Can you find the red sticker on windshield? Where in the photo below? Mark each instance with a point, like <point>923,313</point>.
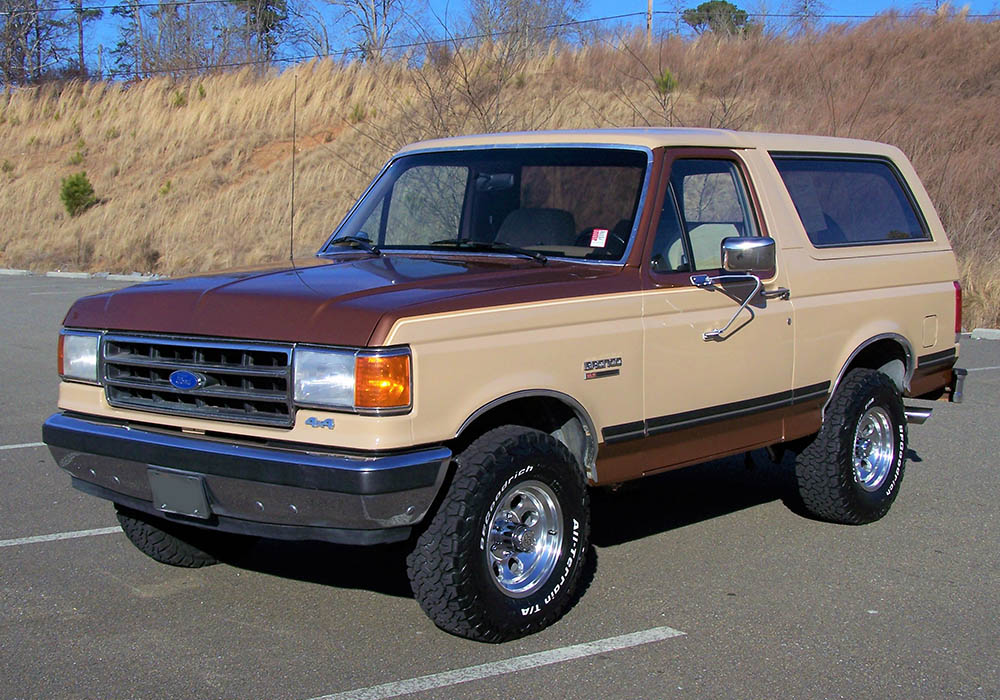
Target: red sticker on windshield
<point>599,238</point>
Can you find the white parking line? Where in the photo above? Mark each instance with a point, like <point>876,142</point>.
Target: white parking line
<point>498,668</point>
<point>52,294</point>
<point>22,445</point>
<point>59,536</point>
<point>982,369</point>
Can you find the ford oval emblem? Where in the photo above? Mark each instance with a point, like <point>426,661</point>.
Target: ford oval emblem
<point>185,381</point>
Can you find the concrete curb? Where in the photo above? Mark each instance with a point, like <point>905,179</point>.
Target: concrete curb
<point>986,334</point>
<point>69,275</point>
<point>114,277</point>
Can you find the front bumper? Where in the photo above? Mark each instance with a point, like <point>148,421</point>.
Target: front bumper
<point>284,492</point>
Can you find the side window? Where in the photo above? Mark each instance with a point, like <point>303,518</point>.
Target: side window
<point>425,205</point>
<point>670,253</point>
<point>845,201</point>
<point>706,202</point>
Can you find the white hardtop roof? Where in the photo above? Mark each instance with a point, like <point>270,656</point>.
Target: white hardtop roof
<point>657,138</point>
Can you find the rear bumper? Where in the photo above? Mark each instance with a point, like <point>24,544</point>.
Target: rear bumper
<point>281,492</point>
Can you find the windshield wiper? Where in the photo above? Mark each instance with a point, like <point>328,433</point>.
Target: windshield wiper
<point>358,242</point>
<point>493,245</point>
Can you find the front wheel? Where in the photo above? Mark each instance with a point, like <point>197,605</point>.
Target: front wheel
<point>165,541</point>
<point>852,470</point>
<point>503,553</point>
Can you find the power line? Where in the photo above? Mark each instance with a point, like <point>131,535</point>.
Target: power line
<point>181,3</point>
<point>343,53</point>
<point>393,47</point>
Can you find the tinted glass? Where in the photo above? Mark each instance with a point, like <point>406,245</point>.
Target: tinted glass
<point>569,202</point>
<point>426,205</point>
<point>712,203</point>
<point>844,201</point>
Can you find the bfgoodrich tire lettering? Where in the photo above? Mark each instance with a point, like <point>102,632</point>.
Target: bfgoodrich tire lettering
<point>851,472</point>
<point>502,555</point>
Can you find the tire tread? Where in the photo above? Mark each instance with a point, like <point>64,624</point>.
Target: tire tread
<point>824,482</point>
<point>447,594</point>
<point>159,543</point>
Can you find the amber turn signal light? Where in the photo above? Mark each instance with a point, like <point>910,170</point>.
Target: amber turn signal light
<point>60,357</point>
<point>382,381</point>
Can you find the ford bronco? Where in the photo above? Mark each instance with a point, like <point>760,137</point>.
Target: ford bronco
<point>504,321</point>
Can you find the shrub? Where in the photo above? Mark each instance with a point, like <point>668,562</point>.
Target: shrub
<point>77,194</point>
<point>666,83</point>
<point>358,113</point>
<point>7,166</point>
<point>179,99</point>
<point>81,153</point>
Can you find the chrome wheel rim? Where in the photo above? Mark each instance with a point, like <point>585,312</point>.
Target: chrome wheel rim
<point>525,538</point>
<point>874,453</point>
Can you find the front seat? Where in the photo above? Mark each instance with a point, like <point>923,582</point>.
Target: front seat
<point>538,226</point>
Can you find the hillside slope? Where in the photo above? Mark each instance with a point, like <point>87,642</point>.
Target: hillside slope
<point>196,175</point>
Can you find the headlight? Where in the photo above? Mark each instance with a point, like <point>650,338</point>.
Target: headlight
<point>359,380</point>
<point>78,355</point>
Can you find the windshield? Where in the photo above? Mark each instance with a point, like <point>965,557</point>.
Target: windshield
<point>562,202</point>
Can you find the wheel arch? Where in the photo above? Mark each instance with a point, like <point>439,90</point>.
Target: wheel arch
<point>889,353</point>
<point>547,410</point>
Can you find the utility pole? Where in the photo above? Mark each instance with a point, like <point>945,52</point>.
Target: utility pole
<point>649,22</point>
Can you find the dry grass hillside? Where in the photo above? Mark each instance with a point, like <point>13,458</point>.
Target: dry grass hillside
<point>193,176</point>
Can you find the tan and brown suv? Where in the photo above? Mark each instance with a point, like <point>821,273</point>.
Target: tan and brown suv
<point>502,321</point>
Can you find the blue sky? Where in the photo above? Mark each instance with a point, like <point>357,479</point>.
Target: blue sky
<point>105,31</point>
<point>600,8</point>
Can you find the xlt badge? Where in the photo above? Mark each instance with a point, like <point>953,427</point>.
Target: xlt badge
<point>595,369</point>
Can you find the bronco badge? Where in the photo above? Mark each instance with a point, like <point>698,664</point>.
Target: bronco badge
<point>595,369</point>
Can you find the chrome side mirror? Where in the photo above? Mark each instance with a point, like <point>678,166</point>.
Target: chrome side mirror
<point>746,254</point>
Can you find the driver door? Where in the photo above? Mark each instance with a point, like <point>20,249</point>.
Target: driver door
<point>708,396</point>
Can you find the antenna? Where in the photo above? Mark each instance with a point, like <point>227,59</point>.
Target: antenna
<point>291,218</point>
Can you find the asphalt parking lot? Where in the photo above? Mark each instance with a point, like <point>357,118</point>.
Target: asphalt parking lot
<point>704,582</point>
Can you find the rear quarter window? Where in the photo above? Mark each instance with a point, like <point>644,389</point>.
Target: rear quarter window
<point>844,201</point>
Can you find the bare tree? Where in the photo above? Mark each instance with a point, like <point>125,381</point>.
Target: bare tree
<point>806,14</point>
<point>522,22</point>
<point>371,24</point>
<point>308,30</point>
<point>32,41</point>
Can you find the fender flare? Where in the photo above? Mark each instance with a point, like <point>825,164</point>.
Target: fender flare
<point>589,429</point>
<point>910,361</point>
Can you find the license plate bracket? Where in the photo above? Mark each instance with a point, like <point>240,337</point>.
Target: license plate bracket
<point>183,494</point>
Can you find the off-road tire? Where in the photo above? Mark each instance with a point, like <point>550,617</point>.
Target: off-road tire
<point>166,542</point>
<point>830,486</point>
<point>451,571</point>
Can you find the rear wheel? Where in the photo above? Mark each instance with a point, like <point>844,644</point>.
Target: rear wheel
<point>503,553</point>
<point>167,542</point>
<point>851,472</point>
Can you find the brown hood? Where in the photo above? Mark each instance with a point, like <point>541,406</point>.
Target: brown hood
<point>336,301</point>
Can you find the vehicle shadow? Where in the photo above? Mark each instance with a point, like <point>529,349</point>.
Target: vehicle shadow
<point>691,495</point>
<point>636,510</point>
<point>380,569</point>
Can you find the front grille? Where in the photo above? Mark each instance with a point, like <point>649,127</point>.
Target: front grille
<point>244,383</point>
